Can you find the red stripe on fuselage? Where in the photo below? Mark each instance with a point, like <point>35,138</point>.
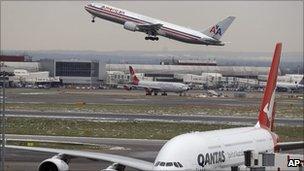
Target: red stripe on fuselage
<point>127,18</point>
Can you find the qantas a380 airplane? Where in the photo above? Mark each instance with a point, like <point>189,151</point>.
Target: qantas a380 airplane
<point>211,150</point>
<point>156,86</point>
<point>154,27</point>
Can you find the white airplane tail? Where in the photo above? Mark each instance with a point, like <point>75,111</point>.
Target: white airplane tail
<point>217,31</point>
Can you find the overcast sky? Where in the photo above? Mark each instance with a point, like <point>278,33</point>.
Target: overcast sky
<point>51,25</point>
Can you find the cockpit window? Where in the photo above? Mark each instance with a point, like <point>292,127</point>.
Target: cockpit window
<point>157,163</point>
<point>169,164</point>
<point>180,165</point>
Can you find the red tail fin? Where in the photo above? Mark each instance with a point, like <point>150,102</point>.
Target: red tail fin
<point>135,80</point>
<point>266,114</point>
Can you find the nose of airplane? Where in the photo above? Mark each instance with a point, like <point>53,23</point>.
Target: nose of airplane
<point>86,7</point>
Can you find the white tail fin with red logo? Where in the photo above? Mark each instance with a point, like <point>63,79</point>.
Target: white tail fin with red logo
<point>216,31</point>
<point>134,79</point>
<point>266,114</point>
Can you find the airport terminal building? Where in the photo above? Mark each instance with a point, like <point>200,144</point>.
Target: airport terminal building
<point>93,73</point>
<point>75,72</point>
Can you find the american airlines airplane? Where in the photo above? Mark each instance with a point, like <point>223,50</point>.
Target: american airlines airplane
<point>154,27</point>
<point>156,86</point>
<point>211,150</point>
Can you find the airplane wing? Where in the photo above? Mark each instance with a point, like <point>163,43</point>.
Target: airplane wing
<point>283,146</point>
<point>126,161</point>
<point>149,28</point>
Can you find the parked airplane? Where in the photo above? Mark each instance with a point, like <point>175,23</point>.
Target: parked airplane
<point>154,27</point>
<point>290,86</point>
<point>156,86</point>
<point>287,86</point>
<point>196,150</point>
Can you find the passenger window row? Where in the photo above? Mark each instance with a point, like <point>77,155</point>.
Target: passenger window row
<point>169,164</point>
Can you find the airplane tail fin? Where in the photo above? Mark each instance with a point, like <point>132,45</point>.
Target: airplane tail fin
<point>134,79</point>
<point>216,31</point>
<point>266,112</point>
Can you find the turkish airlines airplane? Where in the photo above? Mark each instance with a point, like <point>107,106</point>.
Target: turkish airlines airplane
<point>212,150</point>
<point>156,86</point>
<point>153,27</point>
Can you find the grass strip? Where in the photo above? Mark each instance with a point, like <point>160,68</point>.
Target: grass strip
<point>133,130</point>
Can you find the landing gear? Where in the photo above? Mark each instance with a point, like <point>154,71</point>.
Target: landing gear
<point>164,94</point>
<point>93,19</point>
<point>151,38</point>
<point>155,93</point>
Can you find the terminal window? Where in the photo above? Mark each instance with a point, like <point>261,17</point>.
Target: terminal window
<point>73,69</point>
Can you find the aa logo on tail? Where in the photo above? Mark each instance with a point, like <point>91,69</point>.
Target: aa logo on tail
<point>216,30</point>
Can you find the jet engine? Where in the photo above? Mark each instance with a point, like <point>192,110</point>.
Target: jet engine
<point>53,164</point>
<point>130,26</point>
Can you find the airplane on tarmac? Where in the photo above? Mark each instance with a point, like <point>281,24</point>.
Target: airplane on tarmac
<point>154,27</point>
<point>287,86</point>
<point>156,86</point>
<point>290,86</point>
<point>211,150</point>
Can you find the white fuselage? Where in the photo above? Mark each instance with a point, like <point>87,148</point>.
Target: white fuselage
<point>213,149</point>
<point>158,86</point>
<point>286,85</point>
<point>168,30</point>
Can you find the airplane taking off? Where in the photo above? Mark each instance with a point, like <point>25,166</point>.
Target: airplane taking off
<point>156,86</point>
<point>211,150</point>
<point>154,27</point>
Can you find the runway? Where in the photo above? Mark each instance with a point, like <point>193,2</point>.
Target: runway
<point>232,120</point>
<point>133,97</point>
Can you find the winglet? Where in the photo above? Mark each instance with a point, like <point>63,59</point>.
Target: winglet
<point>134,79</point>
<point>266,114</point>
<point>217,31</point>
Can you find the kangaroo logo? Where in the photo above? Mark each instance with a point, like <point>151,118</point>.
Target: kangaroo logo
<point>266,110</point>
<point>216,30</point>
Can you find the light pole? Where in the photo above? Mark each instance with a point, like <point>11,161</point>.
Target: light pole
<point>2,123</point>
<point>4,75</point>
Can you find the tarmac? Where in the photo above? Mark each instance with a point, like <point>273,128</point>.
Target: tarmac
<point>133,97</point>
<point>231,120</point>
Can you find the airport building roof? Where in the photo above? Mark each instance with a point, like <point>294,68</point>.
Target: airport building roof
<point>240,71</point>
<point>29,66</point>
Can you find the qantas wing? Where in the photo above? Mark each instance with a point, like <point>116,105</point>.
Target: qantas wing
<point>126,161</point>
<point>283,146</point>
